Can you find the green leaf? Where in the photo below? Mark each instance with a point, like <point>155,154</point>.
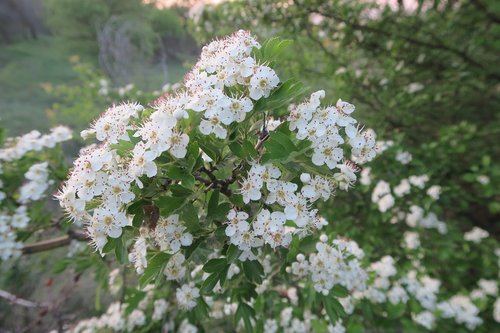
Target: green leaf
<point>180,191</point>
<point>232,253</point>
<point>253,271</point>
<point>209,283</point>
<point>169,205</point>
<point>244,150</point>
<point>339,291</point>
<point>278,101</point>
<point>121,251</point>
<point>215,265</point>
<point>330,311</point>
<point>284,140</point>
<point>293,249</point>
<point>237,149</point>
<point>274,47</point>
<point>133,297</point>
<point>110,245</point>
<point>213,203</point>
<point>245,312</point>
<point>333,308</point>
<point>123,148</point>
<point>208,148</point>
<point>221,211</point>
<point>190,249</point>
<point>192,155</point>
<point>177,173</point>
<point>61,265</point>
<point>156,266</point>
<point>202,309</point>
<point>190,218</point>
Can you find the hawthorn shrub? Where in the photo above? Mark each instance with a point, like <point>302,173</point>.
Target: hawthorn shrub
<point>211,204</point>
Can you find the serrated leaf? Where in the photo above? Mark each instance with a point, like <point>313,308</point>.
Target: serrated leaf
<point>168,205</point>
<point>330,311</point>
<point>190,218</point>
<point>215,265</point>
<point>156,264</point>
<point>121,251</point>
<point>177,173</point>
<point>221,211</point>
<point>253,271</point>
<point>232,253</point>
<point>209,283</point>
<point>245,312</point>
<point>213,203</point>
<point>339,291</point>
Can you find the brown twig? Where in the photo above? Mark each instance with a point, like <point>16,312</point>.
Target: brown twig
<point>13,299</point>
<point>54,243</point>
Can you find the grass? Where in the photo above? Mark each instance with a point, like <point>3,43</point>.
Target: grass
<point>26,66</point>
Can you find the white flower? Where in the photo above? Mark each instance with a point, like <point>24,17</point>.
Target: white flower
<point>403,188</point>
<point>175,269</point>
<point>496,310</point>
<point>186,296</point>
<point>490,287</point>
<point>138,255</point>
<point>347,175</point>
<point>142,163</point>
<point>483,179</point>
<point>214,122</point>
<point>135,318</point>
<point>434,192</point>
<point>419,181</point>
<point>239,107</point>
<point>327,153</point>
<point>236,222</point>
<point>109,221</point>
<point>250,188</point>
<point>345,107</point>
<point>425,319</point>
<point>403,157</point>
<point>262,82</point>
<point>365,178</point>
<point>411,240</point>
<point>476,235</point>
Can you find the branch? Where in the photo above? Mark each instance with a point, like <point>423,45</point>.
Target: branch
<point>438,46</point>
<point>55,242</point>
<point>13,299</point>
<point>482,7</point>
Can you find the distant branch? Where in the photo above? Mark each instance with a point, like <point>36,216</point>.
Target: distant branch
<point>13,299</point>
<point>482,7</point>
<point>423,43</point>
<point>55,242</point>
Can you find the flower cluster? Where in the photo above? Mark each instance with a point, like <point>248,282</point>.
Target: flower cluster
<point>146,157</point>
<point>186,296</point>
<point>476,235</point>
<point>101,174</point>
<point>333,264</point>
<point>9,224</point>
<point>227,63</point>
<point>268,227</point>
<point>16,148</point>
<point>15,203</point>
<point>38,182</point>
<point>118,319</point>
<point>322,125</point>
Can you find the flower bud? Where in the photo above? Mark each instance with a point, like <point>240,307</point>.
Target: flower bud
<point>305,178</point>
